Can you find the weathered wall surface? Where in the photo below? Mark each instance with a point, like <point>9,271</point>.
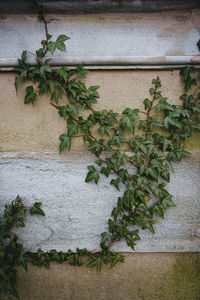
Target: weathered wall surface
<point>120,41</point>
<point>157,276</point>
<point>32,167</point>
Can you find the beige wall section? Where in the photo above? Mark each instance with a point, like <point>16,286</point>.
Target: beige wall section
<point>157,276</point>
<point>26,128</point>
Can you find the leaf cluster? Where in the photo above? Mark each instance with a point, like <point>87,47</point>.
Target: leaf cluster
<point>12,253</point>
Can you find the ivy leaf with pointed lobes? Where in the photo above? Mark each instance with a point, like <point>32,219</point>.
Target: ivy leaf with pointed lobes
<point>166,175</point>
<point>115,212</point>
<point>64,73</point>
<point>96,262</point>
<point>56,96</point>
<point>111,225</point>
<point>52,85</point>
<point>185,72</point>
<point>36,209</point>
<point>188,80</point>
<point>128,122</point>
<point>99,162</point>
<point>115,258</point>
<point>105,130</point>
<point>156,82</point>
<point>52,47</point>
<point>115,182</point>
<point>153,173</point>
<point>20,223</point>
<point>167,202</point>
<point>187,100</point>
<point>105,171</point>
<point>74,109</point>
<point>105,237</point>
<point>95,147</point>
<point>30,95</point>
<point>121,159</point>
<point>63,110</point>
<point>60,42</point>
<point>149,225</point>
<point>158,209</point>
<point>92,174</point>
<point>72,128</point>
<point>169,121</point>
<point>123,174</point>
<point>65,142</point>
<point>43,86</point>
<point>118,140</point>
<point>163,105</point>
<point>81,72</point>
<point>147,103</point>
<point>129,199</point>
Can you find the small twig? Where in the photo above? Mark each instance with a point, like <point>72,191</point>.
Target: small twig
<point>54,105</point>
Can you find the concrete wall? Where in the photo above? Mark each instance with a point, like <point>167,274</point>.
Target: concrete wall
<point>149,276</point>
<point>32,168</point>
<point>108,40</point>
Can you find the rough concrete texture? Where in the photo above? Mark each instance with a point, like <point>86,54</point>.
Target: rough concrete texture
<point>157,276</point>
<point>26,128</point>
<point>143,39</point>
<point>77,212</point>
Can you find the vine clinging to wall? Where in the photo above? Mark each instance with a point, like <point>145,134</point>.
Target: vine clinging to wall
<point>135,149</point>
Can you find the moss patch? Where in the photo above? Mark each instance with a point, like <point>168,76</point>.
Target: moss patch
<point>186,277</point>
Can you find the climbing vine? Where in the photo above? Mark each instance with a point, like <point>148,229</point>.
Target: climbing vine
<point>135,149</point>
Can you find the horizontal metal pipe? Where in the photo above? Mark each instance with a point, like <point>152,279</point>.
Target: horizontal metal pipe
<point>117,62</point>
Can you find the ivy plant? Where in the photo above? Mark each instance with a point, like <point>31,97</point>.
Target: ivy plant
<point>12,253</point>
<point>136,149</point>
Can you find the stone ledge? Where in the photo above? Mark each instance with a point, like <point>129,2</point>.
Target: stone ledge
<point>97,6</point>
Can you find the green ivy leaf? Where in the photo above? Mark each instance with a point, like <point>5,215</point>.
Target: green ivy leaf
<point>30,95</point>
<point>163,105</point>
<point>20,223</point>
<point>92,174</point>
<point>128,122</point>
<point>52,85</point>
<point>72,128</point>
<point>52,47</point>
<point>115,213</point>
<point>105,171</point>
<point>167,202</point>
<point>115,182</point>
<point>60,42</point>
<point>65,142</point>
<point>149,225</point>
<point>153,173</point>
<point>147,103</point>
<point>115,258</point>
<point>96,262</point>
<point>169,121</point>
<point>99,162</point>
<point>36,209</point>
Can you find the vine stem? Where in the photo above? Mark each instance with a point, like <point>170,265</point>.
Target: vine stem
<point>47,35</point>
